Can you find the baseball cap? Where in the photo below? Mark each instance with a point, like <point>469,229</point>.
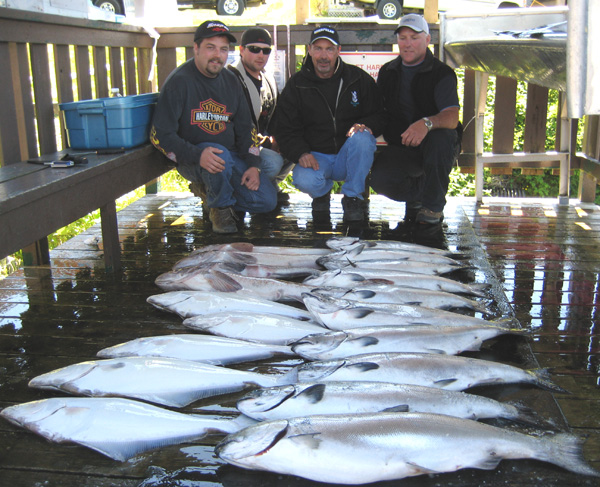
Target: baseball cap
<point>415,22</point>
<point>325,32</point>
<point>213,28</point>
<point>256,35</point>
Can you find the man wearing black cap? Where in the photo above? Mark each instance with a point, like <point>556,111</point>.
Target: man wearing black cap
<point>423,131</point>
<point>202,123</point>
<point>261,91</point>
<point>328,116</point>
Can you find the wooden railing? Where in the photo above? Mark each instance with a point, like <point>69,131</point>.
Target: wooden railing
<point>82,59</point>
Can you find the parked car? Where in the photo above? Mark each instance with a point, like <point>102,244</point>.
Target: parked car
<point>223,7</point>
<point>392,9</point>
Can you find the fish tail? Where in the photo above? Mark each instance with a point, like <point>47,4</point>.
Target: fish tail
<point>479,289</point>
<point>526,415</point>
<point>506,323</point>
<point>541,377</point>
<point>566,451</point>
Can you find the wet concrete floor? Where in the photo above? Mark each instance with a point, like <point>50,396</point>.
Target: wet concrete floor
<point>540,259</point>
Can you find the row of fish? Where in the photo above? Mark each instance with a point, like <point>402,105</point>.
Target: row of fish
<point>382,344</point>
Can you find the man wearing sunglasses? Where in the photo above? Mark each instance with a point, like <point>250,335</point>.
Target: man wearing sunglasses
<point>261,92</point>
<point>328,116</point>
<point>202,123</point>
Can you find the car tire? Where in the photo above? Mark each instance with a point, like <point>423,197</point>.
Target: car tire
<point>230,7</point>
<point>389,9</point>
<point>110,5</point>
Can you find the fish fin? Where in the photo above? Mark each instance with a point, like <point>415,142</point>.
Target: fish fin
<point>489,463</point>
<point>444,382</point>
<point>310,440</point>
<point>414,303</point>
<point>355,251</point>
<point>541,377</point>
<point>420,469</point>
<point>362,293</point>
<point>242,246</point>
<point>358,313</point>
<point>243,258</point>
<point>222,282</point>
<point>237,267</point>
<point>506,323</point>
<point>400,408</point>
<point>377,281</point>
<point>437,351</point>
<point>313,393</point>
<point>365,341</point>
<point>363,366</point>
<point>566,451</point>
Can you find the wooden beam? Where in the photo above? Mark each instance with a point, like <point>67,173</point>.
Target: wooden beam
<point>431,11</point>
<point>302,11</point>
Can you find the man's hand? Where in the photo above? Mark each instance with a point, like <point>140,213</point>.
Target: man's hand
<point>415,133</point>
<point>251,178</point>
<point>358,127</point>
<point>210,160</point>
<point>308,160</point>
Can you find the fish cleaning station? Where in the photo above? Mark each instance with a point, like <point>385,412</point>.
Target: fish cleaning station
<point>148,351</point>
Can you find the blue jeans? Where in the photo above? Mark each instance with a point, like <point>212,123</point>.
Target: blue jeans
<point>225,188</point>
<point>351,164</point>
<point>271,163</point>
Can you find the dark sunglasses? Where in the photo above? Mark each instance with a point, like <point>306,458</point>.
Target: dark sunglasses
<point>256,50</point>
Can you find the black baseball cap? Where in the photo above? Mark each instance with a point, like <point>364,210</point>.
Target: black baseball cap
<point>325,32</point>
<point>256,35</point>
<point>213,28</point>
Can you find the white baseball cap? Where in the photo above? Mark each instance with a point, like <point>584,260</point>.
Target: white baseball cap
<point>415,22</point>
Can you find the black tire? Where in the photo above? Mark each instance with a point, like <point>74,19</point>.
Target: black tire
<point>389,9</point>
<point>230,7</point>
<point>110,5</point>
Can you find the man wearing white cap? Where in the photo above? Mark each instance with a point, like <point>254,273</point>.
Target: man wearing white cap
<point>423,131</point>
<point>328,116</point>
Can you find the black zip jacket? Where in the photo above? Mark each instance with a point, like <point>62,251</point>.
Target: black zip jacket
<point>305,120</point>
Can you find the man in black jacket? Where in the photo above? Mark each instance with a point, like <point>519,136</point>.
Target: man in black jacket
<point>329,114</point>
<point>423,131</point>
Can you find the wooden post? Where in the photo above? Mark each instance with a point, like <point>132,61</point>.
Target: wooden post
<point>431,11</point>
<point>302,11</point>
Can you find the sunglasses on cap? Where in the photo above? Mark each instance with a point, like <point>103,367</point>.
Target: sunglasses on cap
<point>256,50</point>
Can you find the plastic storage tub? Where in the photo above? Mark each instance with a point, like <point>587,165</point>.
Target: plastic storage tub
<point>109,123</point>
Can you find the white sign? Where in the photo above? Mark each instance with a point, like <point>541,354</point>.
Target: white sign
<point>371,62</point>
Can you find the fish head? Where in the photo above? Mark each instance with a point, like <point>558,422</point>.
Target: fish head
<point>265,399</point>
<point>168,300</point>
<point>247,446</point>
<point>318,303</point>
<point>33,412</point>
<point>175,280</point>
<point>313,346</point>
<point>57,378</point>
<point>317,371</point>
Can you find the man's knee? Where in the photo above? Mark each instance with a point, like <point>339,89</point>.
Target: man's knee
<point>362,140</point>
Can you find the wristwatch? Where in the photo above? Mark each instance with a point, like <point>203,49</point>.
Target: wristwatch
<point>428,124</point>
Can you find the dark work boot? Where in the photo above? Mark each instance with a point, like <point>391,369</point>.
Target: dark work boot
<point>412,208</point>
<point>198,189</point>
<point>428,217</point>
<point>322,203</point>
<point>354,209</point>
<point>223,220</point>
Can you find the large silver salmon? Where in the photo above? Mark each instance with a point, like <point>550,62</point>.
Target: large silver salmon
<point>279,258</point>
<point>310,398</point>
<point>402,265</point>
<point>254,327</point>
<point>198,348</point>
<point>385,293</point>
<point>117,428</point>
<point>248,248</point>
<point>364,448</point>
<point>224,278</point>
<point>193,303</point>
<point>450,340</point>
<point>342,314</point>
<point>361,253</point>
<point>169,382</point>
<point>450,372</point>
<point>350,278</point>
<point>348,243</point>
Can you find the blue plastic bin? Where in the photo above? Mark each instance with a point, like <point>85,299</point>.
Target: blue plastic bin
<point>109,123</point>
